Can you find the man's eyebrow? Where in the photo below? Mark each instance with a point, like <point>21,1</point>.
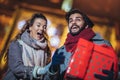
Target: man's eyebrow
<point>79,17</point>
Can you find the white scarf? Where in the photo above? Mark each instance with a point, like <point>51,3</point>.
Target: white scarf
<point>33,53</point>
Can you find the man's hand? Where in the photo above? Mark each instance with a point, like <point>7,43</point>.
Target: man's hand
<point>58,59</point>
<point>109,75</point>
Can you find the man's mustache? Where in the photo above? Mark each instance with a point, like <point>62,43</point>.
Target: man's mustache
<point>74,25</point>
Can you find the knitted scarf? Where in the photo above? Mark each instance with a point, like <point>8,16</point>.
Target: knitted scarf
<point>41,44</point>
<point>34,52</point>
<point>71,41</point>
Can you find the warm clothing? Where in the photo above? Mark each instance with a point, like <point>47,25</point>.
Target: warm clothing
<point>68,49</point>
<point>34,53</point>
<point>72,40</point>
<point>18,70</point>
<point>24,55</point>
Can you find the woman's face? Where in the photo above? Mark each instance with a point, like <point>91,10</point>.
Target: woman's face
<point>38,28</point>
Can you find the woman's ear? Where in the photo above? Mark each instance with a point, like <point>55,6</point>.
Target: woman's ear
<point>29,29</point>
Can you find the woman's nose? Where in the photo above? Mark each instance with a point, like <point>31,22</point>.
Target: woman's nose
<point>41,28</point>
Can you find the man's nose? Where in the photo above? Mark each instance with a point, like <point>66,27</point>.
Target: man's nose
<point>74,21</point>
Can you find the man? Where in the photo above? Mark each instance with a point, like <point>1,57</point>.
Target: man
<point>80,26</point>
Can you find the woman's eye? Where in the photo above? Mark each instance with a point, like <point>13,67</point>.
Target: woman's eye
<point>38,25</point>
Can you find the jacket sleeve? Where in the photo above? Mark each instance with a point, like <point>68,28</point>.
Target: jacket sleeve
<point>51,75</point>
<point>15,61</point>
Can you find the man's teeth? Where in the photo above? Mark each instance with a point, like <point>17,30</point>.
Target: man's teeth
<point>74,27</point>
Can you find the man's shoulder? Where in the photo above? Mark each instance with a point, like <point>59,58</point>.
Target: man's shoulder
<point>63,49</point>
<point>97,39</point>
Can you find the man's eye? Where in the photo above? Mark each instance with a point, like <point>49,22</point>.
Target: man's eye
<point>78,19</point>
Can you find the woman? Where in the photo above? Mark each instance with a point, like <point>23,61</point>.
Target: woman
<point>29,54</point>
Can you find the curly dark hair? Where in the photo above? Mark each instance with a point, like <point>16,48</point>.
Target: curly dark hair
<point>85,17</point>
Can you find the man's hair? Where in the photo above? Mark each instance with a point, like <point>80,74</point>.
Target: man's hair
<point>85,17</point>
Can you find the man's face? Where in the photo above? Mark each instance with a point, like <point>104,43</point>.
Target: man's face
<point>37,29</point>
<point>76,23</point>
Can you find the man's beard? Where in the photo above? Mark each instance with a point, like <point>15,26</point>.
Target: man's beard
<point>76,33</point>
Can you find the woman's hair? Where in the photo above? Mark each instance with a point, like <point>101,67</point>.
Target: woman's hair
<point>85,17</point>
<point>36,15</point>
<point>29,23</point>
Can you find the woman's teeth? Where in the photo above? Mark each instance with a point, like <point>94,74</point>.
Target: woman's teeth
<point>38,33</point>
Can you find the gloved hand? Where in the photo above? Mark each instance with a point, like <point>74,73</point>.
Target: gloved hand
<point>109,75</point>
<point>37,71</point>
<point>57,59</point>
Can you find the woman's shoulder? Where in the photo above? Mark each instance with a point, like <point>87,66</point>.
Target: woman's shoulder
<point>15,47</point>
<point>15,43</point>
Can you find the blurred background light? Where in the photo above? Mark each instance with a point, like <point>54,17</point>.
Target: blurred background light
<point>21,24</point>
<point>51,31</point>
<point>54,41</point>
<point>67,5</point>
